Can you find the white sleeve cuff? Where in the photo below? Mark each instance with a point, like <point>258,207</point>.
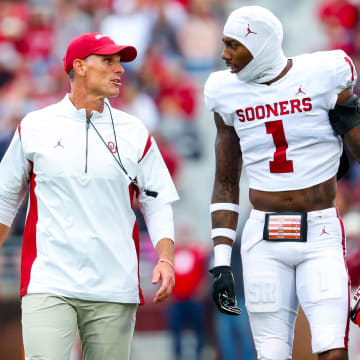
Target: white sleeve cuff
<point>8,210</point>
<point>160,224</point>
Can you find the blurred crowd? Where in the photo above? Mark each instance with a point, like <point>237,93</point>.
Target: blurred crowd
<point>179,44</point>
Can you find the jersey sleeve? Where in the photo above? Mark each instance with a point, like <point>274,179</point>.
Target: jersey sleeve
<point>211,96</point>
<point>15,172</point>
<point>345,72</point>
<point>153,175</point>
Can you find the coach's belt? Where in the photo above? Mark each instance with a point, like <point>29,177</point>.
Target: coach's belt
<point>285,226</point>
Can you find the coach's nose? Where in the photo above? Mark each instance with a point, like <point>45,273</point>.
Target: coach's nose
<point>119,69</point>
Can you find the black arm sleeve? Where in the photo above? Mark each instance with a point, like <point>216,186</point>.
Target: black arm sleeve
<point>345,116</point>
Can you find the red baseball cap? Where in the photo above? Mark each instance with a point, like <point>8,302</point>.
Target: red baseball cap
<point>95,43</point>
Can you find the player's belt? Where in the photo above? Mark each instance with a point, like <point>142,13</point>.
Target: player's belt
<point>285,226</point>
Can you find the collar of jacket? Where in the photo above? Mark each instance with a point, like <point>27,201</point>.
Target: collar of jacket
<point>80,114</point>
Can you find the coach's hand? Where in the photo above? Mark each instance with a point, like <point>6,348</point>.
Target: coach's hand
<point>223,290</point>
<point>163,273</point>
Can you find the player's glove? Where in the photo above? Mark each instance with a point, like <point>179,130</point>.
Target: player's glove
<point>355,307</point>
<point>223,290</point>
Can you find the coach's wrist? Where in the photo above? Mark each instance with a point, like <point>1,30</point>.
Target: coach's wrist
<point>171,263</point>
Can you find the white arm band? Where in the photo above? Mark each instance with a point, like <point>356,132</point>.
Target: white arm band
<point>222,255</point>
<point>224,206</point>
<point>160,224</point>
<point>225,232</point>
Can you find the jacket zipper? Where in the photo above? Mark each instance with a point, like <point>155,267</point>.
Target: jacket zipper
<point>87,143</point>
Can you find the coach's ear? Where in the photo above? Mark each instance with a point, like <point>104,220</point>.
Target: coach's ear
<point>79,67</point>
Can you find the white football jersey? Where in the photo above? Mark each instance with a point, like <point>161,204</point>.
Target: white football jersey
<point>286,139</point>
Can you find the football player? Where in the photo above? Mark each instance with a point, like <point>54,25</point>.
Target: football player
<point>284,120</point>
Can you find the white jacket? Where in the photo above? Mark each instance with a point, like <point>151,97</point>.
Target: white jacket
<point>81,237</point>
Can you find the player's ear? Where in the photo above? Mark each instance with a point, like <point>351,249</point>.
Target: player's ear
<point>79,67</point>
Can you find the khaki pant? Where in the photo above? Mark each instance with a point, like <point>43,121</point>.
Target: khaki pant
<point>50,323</point>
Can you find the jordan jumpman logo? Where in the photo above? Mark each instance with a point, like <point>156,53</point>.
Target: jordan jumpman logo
<point>324,232</point>
<point>300,91</point>
<point>58,144</point>
<point>249,31</point>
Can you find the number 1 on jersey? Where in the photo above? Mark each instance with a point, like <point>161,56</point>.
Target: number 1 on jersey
<point>280,163</point>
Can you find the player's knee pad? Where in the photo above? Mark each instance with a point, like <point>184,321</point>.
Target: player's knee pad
<point>274,350</point>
